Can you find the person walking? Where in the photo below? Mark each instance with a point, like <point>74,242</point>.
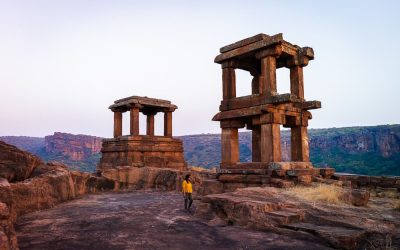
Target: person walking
<point>187,190</point>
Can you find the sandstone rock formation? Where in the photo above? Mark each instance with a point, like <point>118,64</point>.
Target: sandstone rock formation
<point>271,209</point>
<point>27,184</point>
<point>75,147</point>
<point>16,165</point>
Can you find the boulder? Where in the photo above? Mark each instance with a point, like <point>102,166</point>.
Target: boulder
<point>356,197</point>
<point>15,164</point>
<point>43,191</point>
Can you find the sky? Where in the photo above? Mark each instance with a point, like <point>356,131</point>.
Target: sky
<point>63,63</point>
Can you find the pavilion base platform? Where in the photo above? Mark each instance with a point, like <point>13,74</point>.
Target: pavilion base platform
<point>256,174</point>
<point>141,151</point>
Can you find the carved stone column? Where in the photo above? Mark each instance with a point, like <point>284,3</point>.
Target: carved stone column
<point>268,76</point>
<point>270,137</point>
<point>168,123</point>
<point>228,80</point>
<point>297,81</point>
<point>256,143</point>
<point>255,130</point>
<point>255,83</point>
<point>150,125</point>
<point>299,140</point>
<point>270,143</point>
<point>117,124</point>
<point>134,121</point>
<point>229,146</point>
<point>299,144</point>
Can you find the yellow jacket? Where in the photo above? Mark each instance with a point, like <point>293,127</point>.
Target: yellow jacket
<point>187,187</point>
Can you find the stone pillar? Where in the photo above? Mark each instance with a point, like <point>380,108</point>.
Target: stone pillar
<point>297,81</point>
<point>228,82</point>
<point>150,125</point>
<point>255,82</point>
<point>267,78</point>
<point>117,124</point>
<point>255,130</point>
<point>229,146</point>
<point>256,144</point>
<point>134,121</point>
<point>299,143</point>
<point>168,123</point>
<point>270,142</point>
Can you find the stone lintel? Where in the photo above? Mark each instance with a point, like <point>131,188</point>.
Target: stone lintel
<point>274,51</point>
<point>256,100</point>
<point>307,105</point>
<point>254,112</point>
<point>243,42</point>
<point>237,113</point>
<point>158,105</point>
<point>232,124</point>
<point>249,47</point>
<point>271,118</point>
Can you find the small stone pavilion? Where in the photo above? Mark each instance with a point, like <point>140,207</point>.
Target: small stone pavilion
<point>142,150</point>
<point>265,110</point>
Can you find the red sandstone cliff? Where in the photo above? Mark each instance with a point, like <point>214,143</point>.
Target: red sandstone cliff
<point>75,147</point>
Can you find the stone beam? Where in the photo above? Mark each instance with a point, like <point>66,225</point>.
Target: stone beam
<point>243,42</point>
<point>278,38</point>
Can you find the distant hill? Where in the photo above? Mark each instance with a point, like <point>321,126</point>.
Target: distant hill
<point>371,150</point>
<point>80,152</point>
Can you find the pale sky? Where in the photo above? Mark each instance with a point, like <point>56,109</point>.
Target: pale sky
<point>62,63</point>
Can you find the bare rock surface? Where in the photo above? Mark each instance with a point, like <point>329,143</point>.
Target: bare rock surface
<point>275,210</point>
<point>139,220</point>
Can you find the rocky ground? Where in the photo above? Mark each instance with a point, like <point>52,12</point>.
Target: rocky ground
<point>342,226</point>
<point>139,220</point>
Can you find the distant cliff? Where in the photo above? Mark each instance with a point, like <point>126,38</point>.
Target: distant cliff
<point>81,152</point>
<point>364,150</point>
<point>74,147</point>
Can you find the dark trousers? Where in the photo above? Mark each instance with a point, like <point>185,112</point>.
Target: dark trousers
<point>188,197</point>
